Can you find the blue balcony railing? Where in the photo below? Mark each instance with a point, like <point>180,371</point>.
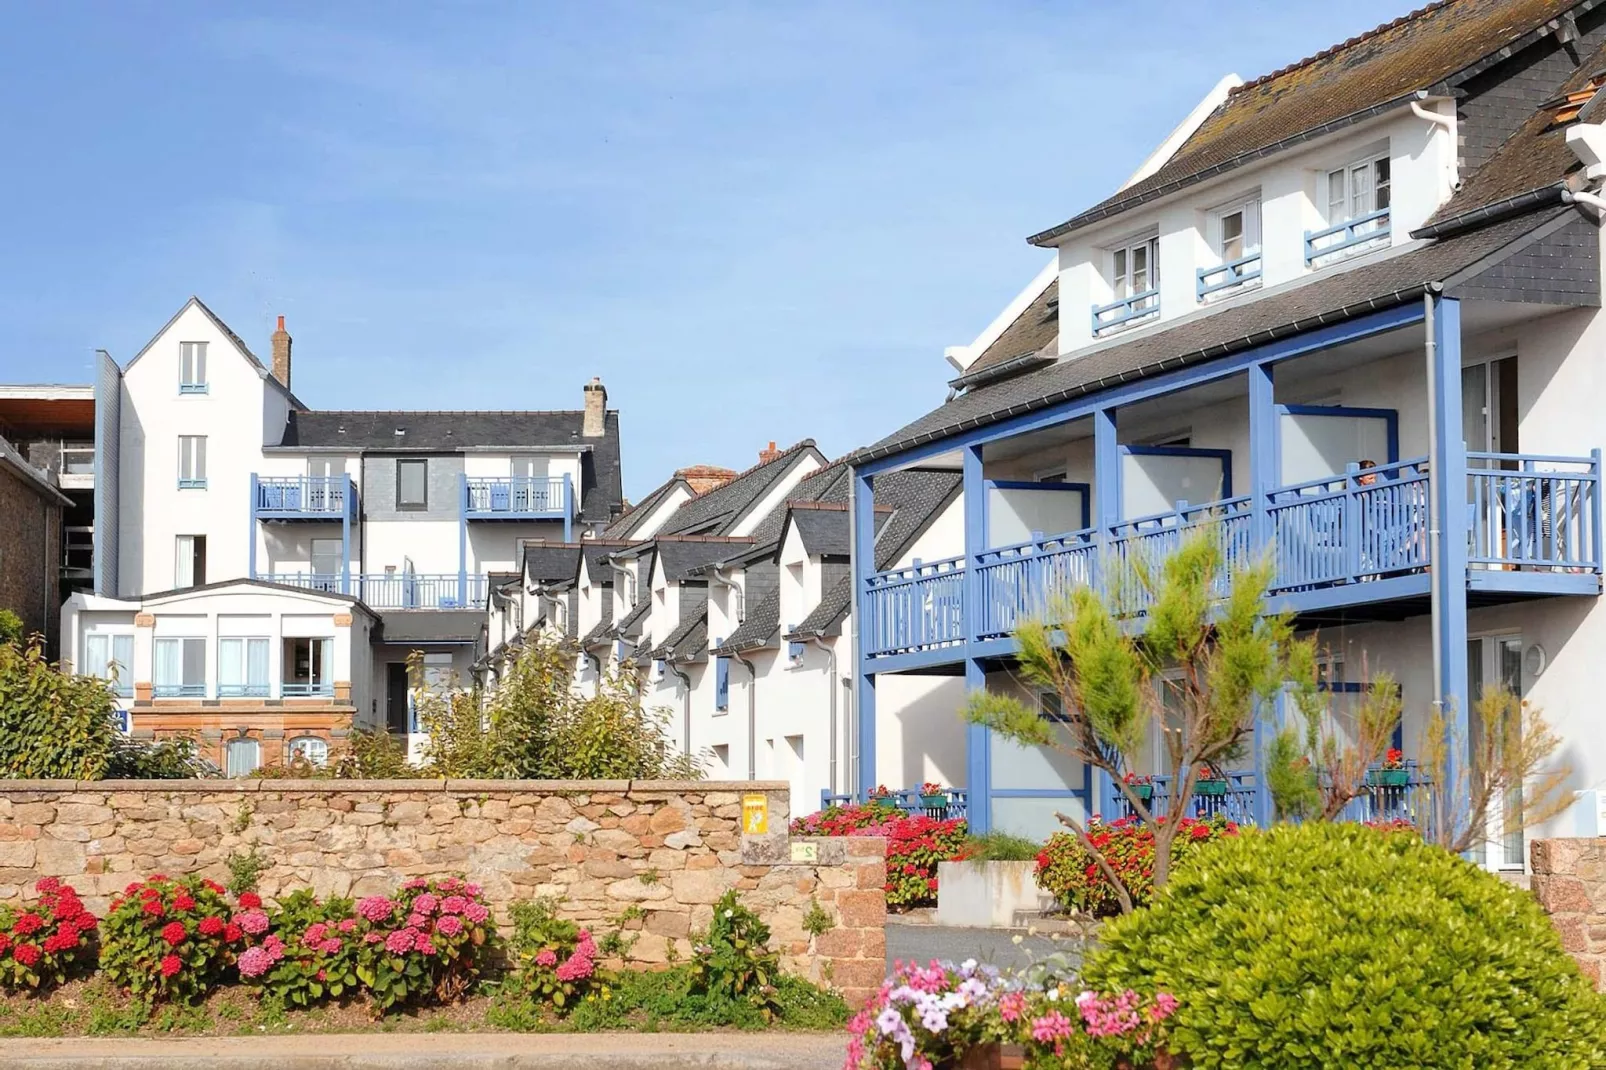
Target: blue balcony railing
<point>393,590</point>
<point>518,497</point>
<point>1535,512</point>
<point>915,608</point>
<point>1228,275</point>
<point>1362,230</point>
<point>1379,801</point>
<point>1524,514</point>
<point>1127,311</point>
<point>302,497</point>
<point>243,691</point>
<point>1237,803</point>
<point>179,690</point>
<point>910,801</point>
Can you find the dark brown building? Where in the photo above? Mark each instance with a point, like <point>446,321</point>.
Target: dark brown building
<point>31,510</point>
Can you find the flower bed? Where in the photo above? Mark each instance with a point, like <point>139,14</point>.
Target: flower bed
<point>936,1015</point>
<point>39,946</point>
<point>915,844</point>
<point>1067,870</point>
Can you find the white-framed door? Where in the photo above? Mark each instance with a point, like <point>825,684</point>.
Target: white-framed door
<point>1496,660</point>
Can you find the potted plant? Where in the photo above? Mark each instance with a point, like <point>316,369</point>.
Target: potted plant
<point>880,795</point>
<point>1142,786</point>
<point>933,796</point>
<point>1392,773</point>
<point>1212,781</point>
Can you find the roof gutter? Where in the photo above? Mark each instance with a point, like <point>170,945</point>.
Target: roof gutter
<point>1555,193</point>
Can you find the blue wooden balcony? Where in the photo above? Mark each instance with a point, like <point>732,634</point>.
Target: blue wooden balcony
<point>1350,234</point>
<point>518,498</point>
<point>1127,312</point>
<point>1228,276</point>
<point>1533,525</point>
<point>910,801</point>
<point>1411,801</point>
<point>328,498</point>
<point>393,590</point>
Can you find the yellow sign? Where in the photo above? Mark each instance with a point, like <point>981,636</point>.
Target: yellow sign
<point>755,815</point>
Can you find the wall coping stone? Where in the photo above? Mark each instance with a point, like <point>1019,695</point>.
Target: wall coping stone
<point>508,787</point>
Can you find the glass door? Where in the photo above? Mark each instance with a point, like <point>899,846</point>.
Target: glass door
<point>1496,661</point>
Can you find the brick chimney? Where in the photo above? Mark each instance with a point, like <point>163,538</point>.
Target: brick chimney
<point>765,456</point>
<point>596,419</point>
<point>703,478</point>
<point>281,355</point>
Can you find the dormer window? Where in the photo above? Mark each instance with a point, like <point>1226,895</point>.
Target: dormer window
<point>1233,231</point>
<point>1358,200</point>
<point>1135,285</point>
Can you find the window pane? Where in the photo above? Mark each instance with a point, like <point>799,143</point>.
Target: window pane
<point>184,562</point>
<point>200,457</point>
<point>123,659</point>
<point>1380,173</point>
<point>1154,262</point>
<point>256,664</point>
<point>1360,185</point>
<point>95,655</point>
<point>410,481</point>
<point>1337,197</point>
<point>310,748</point>
<point>167,663</point>
<point>1232,236</point>
<point>194,661</point>
<point>326,556</point>
<point>1140,269</point>
<point>243,757</point>
<point>230,662</point>
<point>1121,290</point>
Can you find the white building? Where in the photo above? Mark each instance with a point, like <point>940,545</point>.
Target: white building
<point>1384,257</point>
<point>212,471</point>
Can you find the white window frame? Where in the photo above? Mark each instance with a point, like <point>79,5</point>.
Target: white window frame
<point>245,687</point>
<point>1249,236</point>
<point>315,749</point>
<point>184,561</point>
<point>422,505</point>
<point>105,662</point>
<point>1123,274</point>
<point>1348,206</point>
<point>192,368</point>
<point>244,744</point>
<point>192,462</point>
<point>182,687</point>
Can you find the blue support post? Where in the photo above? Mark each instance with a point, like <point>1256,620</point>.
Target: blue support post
<point>462,540</point>
<point>568,508</point>
<point>1263,477</point>
<point>251,542</point>
<point>864,679</point>
<point>1449,484</point>
<point>978,758</point>
<point>978,738</point>
<point>346,507</point>
<point>1106,476</point>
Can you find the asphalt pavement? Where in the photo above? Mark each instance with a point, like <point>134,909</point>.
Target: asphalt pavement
<point>922,943</point>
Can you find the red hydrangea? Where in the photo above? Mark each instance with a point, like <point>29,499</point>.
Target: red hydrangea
<point>174,933</point>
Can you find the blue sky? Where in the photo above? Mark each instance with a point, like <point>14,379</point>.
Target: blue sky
<point>753,221</point>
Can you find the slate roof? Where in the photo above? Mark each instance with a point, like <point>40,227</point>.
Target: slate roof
<point>552,563</point>
<point>1530,168</point>
<point>633,619</point>
<point>681,556</point>
<point>825,618</point>
<point>595,554</point>
<point>1034,330</point>
<point>1384,280</point>
<point>601,485</point>
<point>825,532</point>
<point>689,639</point>
<point>631,518</point>
<point>717,511</point>
<point>759,627</point>
<point>601,633</point>
<point>1433,49</point>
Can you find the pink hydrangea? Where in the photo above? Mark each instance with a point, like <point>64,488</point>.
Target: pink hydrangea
<point>577,967</point>
<point>347,924</point>
<point>425,904</point>
<point>449,925</point>
<point>450,884</point>
<point>424,946</point>
<point>376,908</point>
<point>331,946</point>
<point>274,947</point>
<point>471,890</point>
<point>476,912</point>
<point>547,958</point>
<point>254,922</point>
<point>401,941</point>
<point>417,921</point>
<point>415,884</point>
<point>371,938</point>
<point>453,904</point>
<point>254,962</point>
<point>315,933</point>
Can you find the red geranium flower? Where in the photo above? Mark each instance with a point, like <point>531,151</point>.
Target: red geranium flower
<point>174,933</point>
<point>171,965</point>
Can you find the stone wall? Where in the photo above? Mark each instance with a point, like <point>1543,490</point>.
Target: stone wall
<point>1569,878</point>
<point>656,853</point>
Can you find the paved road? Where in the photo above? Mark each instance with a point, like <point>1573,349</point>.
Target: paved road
<point>923,943</point>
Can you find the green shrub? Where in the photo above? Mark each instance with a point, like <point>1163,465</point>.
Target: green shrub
<point>53,725</point>
<point>554,960</point>
<point>10,627</point>
<point>735,962</point>
<point>310,954</point>
<point>1336,945</point>
<point>170,938</point>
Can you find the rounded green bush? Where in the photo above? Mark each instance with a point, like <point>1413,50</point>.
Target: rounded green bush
<point>1338,945</point>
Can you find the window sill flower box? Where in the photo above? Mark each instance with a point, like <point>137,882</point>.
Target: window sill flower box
<point>1144,792</point>
<point>933,796</point>
<point>1210,787</point>
<point>1388,778</point>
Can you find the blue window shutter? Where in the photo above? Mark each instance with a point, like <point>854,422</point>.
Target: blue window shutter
<point>794,649</point>
<point>722,680</point>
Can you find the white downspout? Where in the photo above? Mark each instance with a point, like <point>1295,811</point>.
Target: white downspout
<point>1439,119</point>
<point>831,685</point>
